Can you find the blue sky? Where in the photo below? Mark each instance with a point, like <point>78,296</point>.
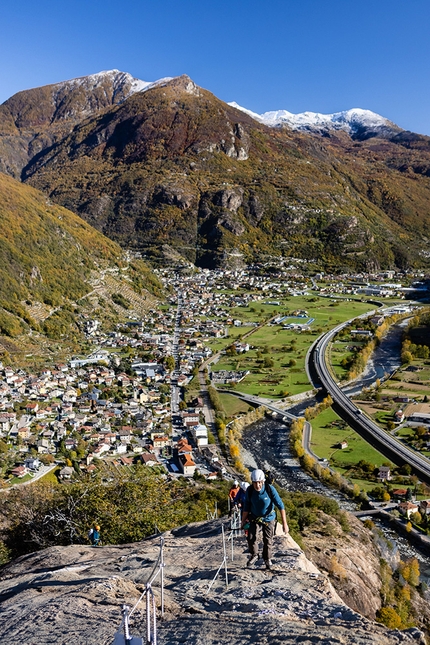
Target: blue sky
<point>317,55</point>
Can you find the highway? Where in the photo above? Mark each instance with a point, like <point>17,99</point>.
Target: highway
<point>378,438</point>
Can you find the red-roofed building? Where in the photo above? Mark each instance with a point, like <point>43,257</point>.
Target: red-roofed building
<point>187,465</point>
<point>184,447</point>
<point>161,441</point>
<point>19,471</point>
<point>408,508</point>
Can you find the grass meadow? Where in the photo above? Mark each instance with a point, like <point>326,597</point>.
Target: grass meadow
<point>328,430</point>
<point>233,405</point>
<point>276,360</point>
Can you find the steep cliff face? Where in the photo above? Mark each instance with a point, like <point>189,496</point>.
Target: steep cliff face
<point>75,595</point>
<point>351,560</point>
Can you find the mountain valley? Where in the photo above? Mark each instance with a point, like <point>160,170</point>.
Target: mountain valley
<point>169,165</point>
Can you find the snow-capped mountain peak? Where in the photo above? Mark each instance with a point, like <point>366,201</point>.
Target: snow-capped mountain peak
<point>84,95</point>
<point>356,122</point>
<point>123,83</point>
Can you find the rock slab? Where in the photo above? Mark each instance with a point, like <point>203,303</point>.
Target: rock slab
<point>74,595</point>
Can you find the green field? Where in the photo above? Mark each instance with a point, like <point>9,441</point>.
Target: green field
<point>285,347</point>
<point>233,405</point>
<point>327,434</point>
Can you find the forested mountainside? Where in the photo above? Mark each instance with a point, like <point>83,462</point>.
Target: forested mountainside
<point>50,259</point>
<point>173,165</point>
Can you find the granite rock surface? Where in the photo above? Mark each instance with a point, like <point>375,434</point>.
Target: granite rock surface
<point>74,595</point>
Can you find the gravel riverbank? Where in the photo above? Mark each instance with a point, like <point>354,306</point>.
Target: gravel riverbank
<point>265,445</point>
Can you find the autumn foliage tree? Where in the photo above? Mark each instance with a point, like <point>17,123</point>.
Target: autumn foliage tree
<point>129,507</point>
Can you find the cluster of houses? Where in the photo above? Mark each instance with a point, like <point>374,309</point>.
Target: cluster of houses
<point>90,410</point>
<point>405,506</point>
<point>96,434</point>
<point>89,405</point>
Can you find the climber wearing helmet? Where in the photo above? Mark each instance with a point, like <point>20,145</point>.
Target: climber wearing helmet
<point>259,510</point>
<point>240,495</point>
<point>232,494</point>
<point>94,535</point>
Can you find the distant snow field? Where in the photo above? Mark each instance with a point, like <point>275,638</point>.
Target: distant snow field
<point>349,120</point>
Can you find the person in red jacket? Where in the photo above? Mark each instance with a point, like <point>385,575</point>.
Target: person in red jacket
<point>232,494</point>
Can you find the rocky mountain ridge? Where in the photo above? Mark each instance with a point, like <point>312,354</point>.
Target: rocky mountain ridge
<point>37,118</point>
<point>75,595</point>
<point>173,165</point>
<point>72,100</point>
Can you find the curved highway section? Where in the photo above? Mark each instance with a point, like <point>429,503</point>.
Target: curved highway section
<point>345,408</point>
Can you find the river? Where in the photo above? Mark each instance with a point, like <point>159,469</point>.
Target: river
<point>384,360</point>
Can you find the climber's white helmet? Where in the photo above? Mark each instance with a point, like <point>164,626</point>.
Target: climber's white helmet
<point>257,475</point>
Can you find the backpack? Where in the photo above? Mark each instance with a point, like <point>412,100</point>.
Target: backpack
<point>270,479</point>
<point>90,533</point>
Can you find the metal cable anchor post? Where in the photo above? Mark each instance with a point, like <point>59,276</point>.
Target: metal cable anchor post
<point>125,610</point>
<point>151,639</point>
